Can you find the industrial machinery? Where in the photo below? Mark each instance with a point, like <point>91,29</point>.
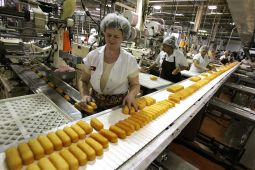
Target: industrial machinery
<point>35,58</point>
<point>35,54</point>
<point>142,146</point>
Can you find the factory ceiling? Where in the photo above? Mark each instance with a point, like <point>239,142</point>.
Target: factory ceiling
<point>183,13</point>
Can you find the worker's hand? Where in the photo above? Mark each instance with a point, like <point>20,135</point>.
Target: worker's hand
<point>214,69</point>
<point>206,69</point>
<point>211,65</point>
<point>144,70</point>
<point>86,99</point>
<point>129,100</point>
<point>176,71</point>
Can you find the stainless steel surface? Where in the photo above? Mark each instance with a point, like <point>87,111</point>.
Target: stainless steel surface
<point>244,78</point>
<point>249,154</point>
<point>170,161</point>
<point>242,88</point>
<point>71,58</point>
<point>29,77</point>
<point>240,75</point>
<point>38,85</point>
<point>27,56</point>
<point>69,90</point>
<point>232,109</point>
<point>5,84</point>
<point>60,102</point>
<point>15,35</point>
<point>243,14</point>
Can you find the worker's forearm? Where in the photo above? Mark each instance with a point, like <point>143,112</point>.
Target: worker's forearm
<point>200,67</point>
<point>152,66</point>
<point>134,89</point>
<point>83,88</point>
<point>182,68</point>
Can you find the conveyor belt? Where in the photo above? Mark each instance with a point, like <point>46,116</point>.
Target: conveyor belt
<point>146,155</point>
<point>38,85</point>
<point>137,150</point>
<point>69,90</point>
<point>233,109</point>
<point>163,130</point>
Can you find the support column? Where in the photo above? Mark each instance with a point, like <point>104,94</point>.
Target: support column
<point>141,11</point>
<point>214,32</point>
<point>198,17</point>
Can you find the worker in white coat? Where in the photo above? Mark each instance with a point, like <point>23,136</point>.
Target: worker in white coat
<point>93,36</point>
<point>111,71</point>
<point>200,61</point>
<point>171,60</point>
<point>226,58</point>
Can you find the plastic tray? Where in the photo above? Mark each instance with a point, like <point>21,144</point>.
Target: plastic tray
<point>27,116</point>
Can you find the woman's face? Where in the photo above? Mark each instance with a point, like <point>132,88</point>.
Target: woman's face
<point>168,49</point>
<point>113,37</point>
<point>203,53</point>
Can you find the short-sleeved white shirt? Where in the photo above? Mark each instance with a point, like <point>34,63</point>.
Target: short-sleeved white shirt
<point>224,57</point>
<point>180,60</point>
<point>118,79</point>
<point>202,61</point>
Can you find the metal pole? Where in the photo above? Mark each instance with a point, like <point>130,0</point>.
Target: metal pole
<point>230,37</point>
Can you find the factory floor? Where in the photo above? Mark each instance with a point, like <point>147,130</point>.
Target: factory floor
<point>194,158</point>
<point>211,126</point>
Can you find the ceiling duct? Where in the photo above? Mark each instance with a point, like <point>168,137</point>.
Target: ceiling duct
<point>243,14</point>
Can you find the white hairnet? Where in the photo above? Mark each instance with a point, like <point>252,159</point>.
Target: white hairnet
<point>93,30</point>
<point>203,48</point>
<point>113,20</point>
<point>171,41</point>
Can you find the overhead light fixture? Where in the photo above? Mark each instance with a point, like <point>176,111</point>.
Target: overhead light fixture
<point>178,14</point>
<point>202,31</point>
<point>212,7</point>
<point>177,22</point>
<point>191,22</point>
<point>157,7</point>
<point>98,9</point>
<point>214,13</point>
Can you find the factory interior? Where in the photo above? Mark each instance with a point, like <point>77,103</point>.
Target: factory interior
<point>175,89</point>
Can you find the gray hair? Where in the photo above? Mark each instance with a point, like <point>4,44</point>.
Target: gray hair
<point>113,20</point>
<point>203,48</point>
<point>171,41</point>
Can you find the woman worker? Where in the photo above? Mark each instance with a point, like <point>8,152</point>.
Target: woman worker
<point>171,61</point>
<point>200,61</point>
<point>111,71</point>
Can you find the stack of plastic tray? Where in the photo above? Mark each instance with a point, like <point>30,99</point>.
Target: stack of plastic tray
<point>27,116</point>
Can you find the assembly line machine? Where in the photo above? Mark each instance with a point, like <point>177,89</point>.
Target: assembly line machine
<point>47,100</point>
<point>136,151</point>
